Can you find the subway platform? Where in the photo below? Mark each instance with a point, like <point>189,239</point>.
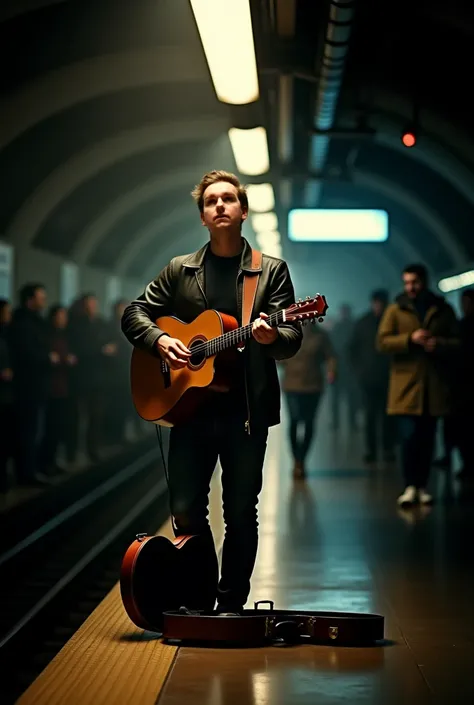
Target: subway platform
<point>336,541</point>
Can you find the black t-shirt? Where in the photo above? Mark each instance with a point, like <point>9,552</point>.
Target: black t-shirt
<point>220,285</point>
<point>220,277</point>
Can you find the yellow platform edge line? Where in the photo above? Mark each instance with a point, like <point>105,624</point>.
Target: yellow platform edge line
<point>97,666</point>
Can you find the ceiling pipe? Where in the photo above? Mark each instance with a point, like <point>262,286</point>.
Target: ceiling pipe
<point>336,43</point>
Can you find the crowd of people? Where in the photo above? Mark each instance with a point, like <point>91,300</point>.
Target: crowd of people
<point>64,386</point>
<point>408,365</point>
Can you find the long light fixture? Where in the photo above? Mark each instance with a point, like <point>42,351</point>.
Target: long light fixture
<point>250,149</point>
<point>261,198</point>
<point>264,221</point>
<point>458,281</point>
<point>338,225</point>
<point>225,28</point>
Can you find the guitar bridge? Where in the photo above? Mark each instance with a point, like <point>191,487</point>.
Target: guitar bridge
<point>166,374</point>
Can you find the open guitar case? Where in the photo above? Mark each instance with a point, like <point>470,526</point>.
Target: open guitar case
<point>169,587</point>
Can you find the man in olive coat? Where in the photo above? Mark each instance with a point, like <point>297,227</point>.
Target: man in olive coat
<point>420,332</point>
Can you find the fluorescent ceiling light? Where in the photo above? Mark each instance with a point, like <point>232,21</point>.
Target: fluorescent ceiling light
<point>261,197</point>
<point>225,28</point>
<point>268,238</point>
<point>458,281</point>
<point>250,150</point>
<point>338,225</point>
<point>264,221</point>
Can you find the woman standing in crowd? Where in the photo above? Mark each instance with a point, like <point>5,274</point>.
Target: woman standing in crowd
<point>59,419</point>
<point>7,445</point>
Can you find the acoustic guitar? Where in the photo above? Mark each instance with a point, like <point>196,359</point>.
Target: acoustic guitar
<point>168,397</point>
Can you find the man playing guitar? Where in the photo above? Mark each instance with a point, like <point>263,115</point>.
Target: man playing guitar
<point>233,425</point>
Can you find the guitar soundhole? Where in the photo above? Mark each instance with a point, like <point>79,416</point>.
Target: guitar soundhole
<point>198,357</point>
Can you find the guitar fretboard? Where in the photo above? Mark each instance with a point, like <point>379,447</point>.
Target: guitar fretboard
<point>234,337</point>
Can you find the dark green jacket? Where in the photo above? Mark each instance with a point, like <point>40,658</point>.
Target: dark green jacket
<point>179,291</point>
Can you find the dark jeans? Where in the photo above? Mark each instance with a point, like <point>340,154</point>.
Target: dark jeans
<point>8,443</point>
<point>92,404</point>
<point>450,434</point>
<point>376,418</point>
<point>302,409</point>
<point>29,422</point>
<point>417,435</point>
<point>193,452</point>
<point>344,388</point>
<point>59,428</point>
<point>466,441</point>
<point>118,410</point>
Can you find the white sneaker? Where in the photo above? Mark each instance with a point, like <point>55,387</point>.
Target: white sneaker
<point>424,497</point>
<point>408,496</point>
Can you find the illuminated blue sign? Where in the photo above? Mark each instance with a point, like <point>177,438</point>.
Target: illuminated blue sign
<point>338,225</point>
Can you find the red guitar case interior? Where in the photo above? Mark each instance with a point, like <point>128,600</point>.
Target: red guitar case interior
<point>170,587</point>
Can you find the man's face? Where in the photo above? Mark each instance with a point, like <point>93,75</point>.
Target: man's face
<point>412,285</point>
<point>6,314</point>
<point>91,306</point>
<point>61,318</point>
<point>377,307</point>
<point>221,208</point>
<point>38,300</point>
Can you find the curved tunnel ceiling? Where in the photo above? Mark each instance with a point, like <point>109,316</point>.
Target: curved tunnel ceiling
<point>99,133</point>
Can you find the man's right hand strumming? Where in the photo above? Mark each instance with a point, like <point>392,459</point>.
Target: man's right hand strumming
<point>173,352</point>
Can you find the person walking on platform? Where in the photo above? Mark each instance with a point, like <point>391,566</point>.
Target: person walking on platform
<point>234,424</point>
<point>420,332</point>
<point>303,384</point>
<point>372,371</point>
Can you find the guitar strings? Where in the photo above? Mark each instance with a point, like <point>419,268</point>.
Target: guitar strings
<point>210,347</point>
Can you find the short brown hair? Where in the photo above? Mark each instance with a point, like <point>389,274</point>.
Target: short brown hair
<point>213,177</point>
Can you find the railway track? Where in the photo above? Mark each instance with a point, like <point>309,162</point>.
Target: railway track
<point>54,578</point>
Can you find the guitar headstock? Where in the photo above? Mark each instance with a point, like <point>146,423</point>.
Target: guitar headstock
<point>308,309</point>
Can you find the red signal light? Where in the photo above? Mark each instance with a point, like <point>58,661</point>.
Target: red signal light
<point>409,139</point>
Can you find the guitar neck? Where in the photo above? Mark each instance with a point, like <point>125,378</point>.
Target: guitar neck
<point>239,335</point>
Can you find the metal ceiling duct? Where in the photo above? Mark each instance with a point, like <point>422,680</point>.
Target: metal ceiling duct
<point>336,43</point>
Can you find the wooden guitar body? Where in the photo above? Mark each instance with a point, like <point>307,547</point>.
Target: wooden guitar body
<point>158,574</point>
<point>169,397</point>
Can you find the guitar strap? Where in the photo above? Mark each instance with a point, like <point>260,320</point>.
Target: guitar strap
<point>250,287</point>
